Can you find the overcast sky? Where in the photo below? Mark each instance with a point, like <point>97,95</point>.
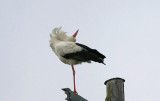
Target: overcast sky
<point>127,32</point>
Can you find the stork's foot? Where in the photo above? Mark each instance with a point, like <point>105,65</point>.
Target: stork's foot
<point>75,91</point>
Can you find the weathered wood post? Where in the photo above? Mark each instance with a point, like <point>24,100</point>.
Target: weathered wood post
<point>115,89</point>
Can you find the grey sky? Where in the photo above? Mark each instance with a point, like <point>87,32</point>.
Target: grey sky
<point>126,31</point>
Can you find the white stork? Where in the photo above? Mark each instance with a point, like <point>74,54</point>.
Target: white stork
<point>72,53</point>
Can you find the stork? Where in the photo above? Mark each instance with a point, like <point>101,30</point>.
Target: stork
<point>72,53</point>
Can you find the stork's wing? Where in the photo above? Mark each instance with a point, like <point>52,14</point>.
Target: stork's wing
<point>86,54</point>
<point>64,48</point>
<point>91,50</point>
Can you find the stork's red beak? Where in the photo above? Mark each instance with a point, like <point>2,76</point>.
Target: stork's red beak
<point>75,34</point>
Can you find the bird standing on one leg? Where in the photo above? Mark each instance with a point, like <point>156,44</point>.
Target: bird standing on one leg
<point>72,53</point>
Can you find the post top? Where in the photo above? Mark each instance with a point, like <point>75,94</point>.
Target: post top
<point>114,79</point>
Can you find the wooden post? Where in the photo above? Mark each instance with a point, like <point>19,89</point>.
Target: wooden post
<point>115,89</point>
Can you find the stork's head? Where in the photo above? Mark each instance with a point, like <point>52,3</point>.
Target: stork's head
<point>60,35</point>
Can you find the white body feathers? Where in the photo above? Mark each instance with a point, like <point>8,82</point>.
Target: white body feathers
<point>62,44</point>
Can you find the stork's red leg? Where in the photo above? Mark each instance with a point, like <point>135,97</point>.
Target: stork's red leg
<point>74,79</point>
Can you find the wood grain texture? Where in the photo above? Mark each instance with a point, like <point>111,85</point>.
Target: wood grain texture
<point>115,89</point>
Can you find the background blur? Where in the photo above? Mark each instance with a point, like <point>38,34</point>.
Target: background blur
<point>126,31</point>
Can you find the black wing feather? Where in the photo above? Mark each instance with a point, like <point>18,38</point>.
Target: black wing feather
<point>91,50</point>
<point>86,54</point>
